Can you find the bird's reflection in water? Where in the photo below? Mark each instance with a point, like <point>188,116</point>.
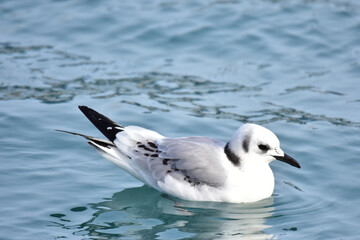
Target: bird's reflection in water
<point>144,213</point>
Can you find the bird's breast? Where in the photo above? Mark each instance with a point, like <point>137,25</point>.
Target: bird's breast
<point>252,184</point>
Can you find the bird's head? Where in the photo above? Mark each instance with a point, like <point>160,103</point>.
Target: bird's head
<point>252,142</point>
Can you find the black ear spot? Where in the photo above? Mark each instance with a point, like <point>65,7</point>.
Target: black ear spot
<point>263,147</point>
<point>246,143</point>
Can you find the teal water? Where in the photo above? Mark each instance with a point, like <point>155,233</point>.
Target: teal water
<point>180,68</point>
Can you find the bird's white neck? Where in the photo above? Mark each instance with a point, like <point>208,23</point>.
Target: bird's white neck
<point>251,181</point>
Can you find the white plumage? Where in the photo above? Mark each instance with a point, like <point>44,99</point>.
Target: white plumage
<point>193,168</point>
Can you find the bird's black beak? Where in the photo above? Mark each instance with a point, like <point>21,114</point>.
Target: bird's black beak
<point>289,160</point>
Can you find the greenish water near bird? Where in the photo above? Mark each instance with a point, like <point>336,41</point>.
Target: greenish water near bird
<point>180,68</point>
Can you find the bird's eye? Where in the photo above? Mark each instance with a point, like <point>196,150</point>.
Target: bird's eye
<point>263,147</point>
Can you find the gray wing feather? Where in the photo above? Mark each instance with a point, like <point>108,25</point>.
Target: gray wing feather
<point>194,159</point>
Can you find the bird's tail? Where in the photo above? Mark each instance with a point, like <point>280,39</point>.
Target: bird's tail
<point>107,150</point>
<point>92,140</point>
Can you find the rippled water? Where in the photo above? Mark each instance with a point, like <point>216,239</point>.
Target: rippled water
<point>179,68</point>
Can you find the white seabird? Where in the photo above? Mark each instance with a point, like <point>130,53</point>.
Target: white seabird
<point>193,168</point>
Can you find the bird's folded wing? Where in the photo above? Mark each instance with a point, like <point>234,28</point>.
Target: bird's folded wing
<point>196,160</point>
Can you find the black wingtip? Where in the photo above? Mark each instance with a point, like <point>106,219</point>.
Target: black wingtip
<point>106,126</point>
